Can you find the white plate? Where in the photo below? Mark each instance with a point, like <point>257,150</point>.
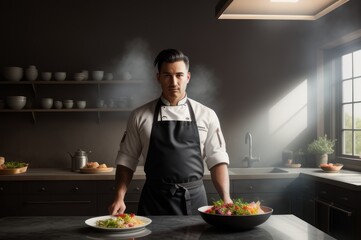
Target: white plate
<point>92,223</point>
<point>118,235</point>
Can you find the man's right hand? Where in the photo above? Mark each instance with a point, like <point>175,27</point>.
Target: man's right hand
<point>117,207</point>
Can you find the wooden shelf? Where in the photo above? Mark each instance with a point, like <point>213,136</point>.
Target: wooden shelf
<point>67,82</point>
<point>73,82</point>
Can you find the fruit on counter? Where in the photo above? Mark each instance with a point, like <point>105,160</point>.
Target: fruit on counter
<point>95,165</point>
<point>2,160</point>
<point>331,166</point>
<point>12,165</point>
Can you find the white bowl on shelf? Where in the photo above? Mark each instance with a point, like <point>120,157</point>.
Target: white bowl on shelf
<point>59,76</point>
<point>46,76</point>
<point>58,104</point>
<point>97,75</point>
<point>16,102</point>
<point>13,73</point>
<point>68,104</point>
<point>79,76</point>
<point>81,104</point>
<point>46,103</point>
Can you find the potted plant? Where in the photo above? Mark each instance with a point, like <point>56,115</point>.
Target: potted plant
<point>321,147</point>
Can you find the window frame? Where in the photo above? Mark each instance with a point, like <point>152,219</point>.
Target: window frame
<point>333,98</point>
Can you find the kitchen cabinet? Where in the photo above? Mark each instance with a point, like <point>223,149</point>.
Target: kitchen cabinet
<point>11,198</point>
<point>106,193</point>
<point>273,193</point>
<point>20,89</point>
<point>270,192</point>
<point>336,211</point>
<point>62,198</point>
<point>303,199</point>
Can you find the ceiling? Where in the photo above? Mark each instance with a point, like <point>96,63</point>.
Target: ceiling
<point>276,9</point>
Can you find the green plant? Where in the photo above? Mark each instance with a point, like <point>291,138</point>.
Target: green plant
<point>321,145</point>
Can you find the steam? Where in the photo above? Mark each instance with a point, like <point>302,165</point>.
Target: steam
<point>202,86</point>
<point>136,64</point>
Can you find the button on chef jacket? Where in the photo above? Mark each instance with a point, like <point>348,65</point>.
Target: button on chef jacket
<point>135,141</point>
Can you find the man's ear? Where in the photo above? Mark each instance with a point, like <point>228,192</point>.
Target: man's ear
<point>158,80</point>
<point>188,76</point>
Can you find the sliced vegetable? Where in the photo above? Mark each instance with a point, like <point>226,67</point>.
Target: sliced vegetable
<point>237,208</point>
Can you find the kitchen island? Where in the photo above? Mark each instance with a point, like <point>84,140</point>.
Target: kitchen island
<point>278,227</point>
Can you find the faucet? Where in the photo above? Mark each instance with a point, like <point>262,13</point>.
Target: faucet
<point>250,159</point>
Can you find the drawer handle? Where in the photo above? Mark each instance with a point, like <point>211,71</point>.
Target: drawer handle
<point>331,205</point>
<point>76,189</point>
<point>137,188</point>
<point>1,189</point>
<point>323,192</point>
<point>42,189</point>
<point>250,188</point>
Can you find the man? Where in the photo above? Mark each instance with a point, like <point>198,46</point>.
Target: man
<point>175,135</point>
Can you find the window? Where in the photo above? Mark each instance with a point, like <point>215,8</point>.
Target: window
<point>349,92</point>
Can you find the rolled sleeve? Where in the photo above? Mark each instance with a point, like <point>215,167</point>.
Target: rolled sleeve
<point>215,145</point>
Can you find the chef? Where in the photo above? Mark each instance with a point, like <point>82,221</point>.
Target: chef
<point>176,136</point>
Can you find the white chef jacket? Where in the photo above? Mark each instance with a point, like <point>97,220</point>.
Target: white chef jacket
<point>135,141</point>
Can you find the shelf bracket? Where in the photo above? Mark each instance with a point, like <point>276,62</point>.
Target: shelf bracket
<point>33,115</point>
<point>34,89</point>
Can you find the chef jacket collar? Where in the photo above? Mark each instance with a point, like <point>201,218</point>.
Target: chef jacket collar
<point>181,102</point>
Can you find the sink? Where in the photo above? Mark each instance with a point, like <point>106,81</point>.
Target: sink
<point>248,171</point>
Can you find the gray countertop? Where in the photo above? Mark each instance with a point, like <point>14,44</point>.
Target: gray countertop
<point>344,178</point>
<point>278,227</point>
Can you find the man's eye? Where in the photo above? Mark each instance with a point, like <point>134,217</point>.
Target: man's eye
<point>180,75</point>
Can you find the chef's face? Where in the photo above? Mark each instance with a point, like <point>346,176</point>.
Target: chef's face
<point>173,78</point>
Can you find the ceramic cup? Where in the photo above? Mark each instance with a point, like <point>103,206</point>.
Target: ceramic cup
<point>46,76</point>
<point>59,76</point>
<point>58,104</point>
<point>46,103</point>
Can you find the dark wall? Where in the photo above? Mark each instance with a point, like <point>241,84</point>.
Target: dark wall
<point>240,68</point>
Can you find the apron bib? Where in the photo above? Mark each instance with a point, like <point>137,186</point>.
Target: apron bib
<point>174,168</point>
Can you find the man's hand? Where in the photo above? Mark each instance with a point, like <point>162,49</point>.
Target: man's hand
<point>117,207</point>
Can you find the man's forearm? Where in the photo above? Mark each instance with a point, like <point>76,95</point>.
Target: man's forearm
<point>123,176</point>
<point>220,179</point>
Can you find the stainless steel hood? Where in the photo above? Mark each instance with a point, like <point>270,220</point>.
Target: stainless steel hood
<point>276,9</point>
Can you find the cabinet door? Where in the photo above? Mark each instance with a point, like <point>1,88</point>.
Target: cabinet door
<point>106,193</point>
<point>277,201</point>
<point>61,198</point>
<point>303,196</point>
<point>271,192</point>
<point>11,199</point>
<point>336,211</point>
<point>338,221</point>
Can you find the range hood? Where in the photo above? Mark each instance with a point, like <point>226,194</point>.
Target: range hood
<point>276,9</point>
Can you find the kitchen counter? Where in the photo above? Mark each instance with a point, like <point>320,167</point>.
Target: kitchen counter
<point>344,178</point>
<point>278,227</point>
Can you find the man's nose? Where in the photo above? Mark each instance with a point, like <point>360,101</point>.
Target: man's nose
<point>173,80</point>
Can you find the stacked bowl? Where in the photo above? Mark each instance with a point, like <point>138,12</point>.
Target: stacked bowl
<point>13,73</point>
<point>16,102</point>
<point>31,73</point>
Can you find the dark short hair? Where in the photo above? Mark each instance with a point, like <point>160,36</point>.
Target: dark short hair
<point>170,56</point>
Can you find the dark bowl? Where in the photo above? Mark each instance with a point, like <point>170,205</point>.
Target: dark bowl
<point>235,222</point>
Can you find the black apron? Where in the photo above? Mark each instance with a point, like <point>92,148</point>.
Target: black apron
<point>174,168</point>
